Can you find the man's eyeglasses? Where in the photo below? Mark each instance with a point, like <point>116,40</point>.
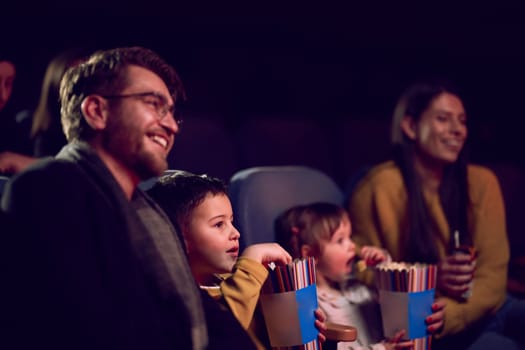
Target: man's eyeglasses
<point>156,100</point>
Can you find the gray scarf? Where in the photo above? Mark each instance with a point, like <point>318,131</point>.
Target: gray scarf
<point>174,277</point>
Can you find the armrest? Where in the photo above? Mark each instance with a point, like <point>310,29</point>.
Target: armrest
<point>339,332</point>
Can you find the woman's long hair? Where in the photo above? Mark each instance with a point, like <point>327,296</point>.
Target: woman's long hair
<point>46,118</point>
<point>453,190</point>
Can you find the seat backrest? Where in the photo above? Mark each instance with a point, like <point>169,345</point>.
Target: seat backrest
<point>260,194</point>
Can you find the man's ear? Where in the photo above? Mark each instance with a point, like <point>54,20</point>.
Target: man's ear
<point>408,126</point>
<point>95,111</point>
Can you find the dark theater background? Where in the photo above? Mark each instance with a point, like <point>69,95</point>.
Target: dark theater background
<point>322,62</point>
<point>308,83</point>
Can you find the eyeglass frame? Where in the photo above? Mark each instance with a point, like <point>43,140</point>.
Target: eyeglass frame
<point>162,111</point>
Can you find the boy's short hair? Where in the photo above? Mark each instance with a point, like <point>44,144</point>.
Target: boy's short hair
<point>180,192</point>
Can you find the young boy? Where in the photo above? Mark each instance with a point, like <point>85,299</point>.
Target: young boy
<point>199,207</point>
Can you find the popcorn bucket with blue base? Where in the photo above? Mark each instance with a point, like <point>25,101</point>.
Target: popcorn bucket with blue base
<point>406,295</point>
<point>406,310</point>
<point>289,316</point>
<point>288,302</point>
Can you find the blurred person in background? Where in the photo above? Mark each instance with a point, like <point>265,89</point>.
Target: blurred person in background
<point>14,130</point>
<point>45,137</point>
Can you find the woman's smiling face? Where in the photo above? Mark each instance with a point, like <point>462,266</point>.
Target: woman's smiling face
<point>441,131</point>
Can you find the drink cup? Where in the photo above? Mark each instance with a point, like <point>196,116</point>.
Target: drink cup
<point>470,251</point>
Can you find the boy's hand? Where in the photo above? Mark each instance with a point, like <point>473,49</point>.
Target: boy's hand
<point>320,324</point>
<point>265,253</point>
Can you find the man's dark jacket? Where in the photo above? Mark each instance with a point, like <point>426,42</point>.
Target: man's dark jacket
<point>70,273</point>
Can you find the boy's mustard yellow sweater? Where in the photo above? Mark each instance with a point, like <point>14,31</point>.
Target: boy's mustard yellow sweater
<point>240,291</point>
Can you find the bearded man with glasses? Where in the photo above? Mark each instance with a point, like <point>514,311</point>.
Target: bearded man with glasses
<point>92,261</point>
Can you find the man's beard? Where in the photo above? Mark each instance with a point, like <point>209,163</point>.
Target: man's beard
<point>147,166</point>
<point>127,146</point>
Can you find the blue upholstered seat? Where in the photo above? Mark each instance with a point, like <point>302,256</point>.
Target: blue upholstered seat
<point>260,194</point>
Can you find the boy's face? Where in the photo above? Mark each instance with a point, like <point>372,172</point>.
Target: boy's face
<point>212,242</point>
<point>337,254</point>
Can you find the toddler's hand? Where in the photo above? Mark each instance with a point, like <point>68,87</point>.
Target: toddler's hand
<point>373,255</point>
<point>397,342</point>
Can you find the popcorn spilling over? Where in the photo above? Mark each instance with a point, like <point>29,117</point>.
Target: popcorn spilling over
<point>361,265</point>
<point>405,277</point>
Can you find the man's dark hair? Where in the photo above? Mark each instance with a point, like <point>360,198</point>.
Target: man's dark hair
<point>105,73</point>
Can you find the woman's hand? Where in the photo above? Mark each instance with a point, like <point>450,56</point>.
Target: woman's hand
<point>455,274</point>
<point>436,320</point>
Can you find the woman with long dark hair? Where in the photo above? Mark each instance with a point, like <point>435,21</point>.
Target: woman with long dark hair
<point>427,201</point>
